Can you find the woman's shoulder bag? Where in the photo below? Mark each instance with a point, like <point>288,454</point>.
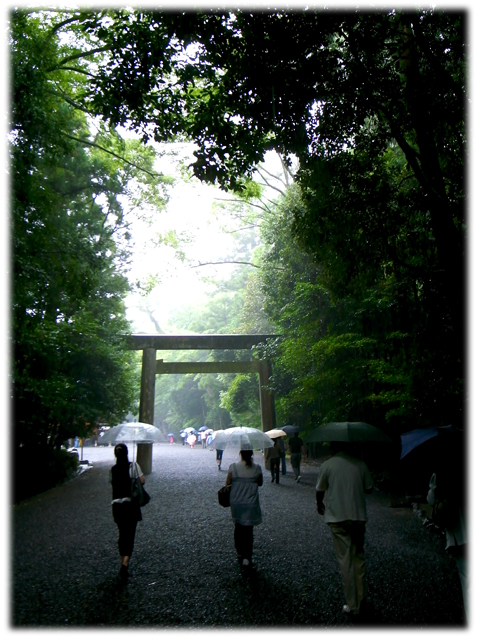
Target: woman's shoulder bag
<point>139,494</point>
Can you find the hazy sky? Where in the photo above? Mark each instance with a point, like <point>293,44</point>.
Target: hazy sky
<point>189,213</point>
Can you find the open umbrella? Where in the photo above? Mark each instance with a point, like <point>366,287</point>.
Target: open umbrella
<point>203,428</point>
<point>136,432</point>
<point>290,429</point>
<point>241,438</point>
<point>347,432</point>
<point>189,429</point>
<point>275,433</point>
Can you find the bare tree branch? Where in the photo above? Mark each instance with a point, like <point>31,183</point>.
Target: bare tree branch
<point>78,56</point>
<point>267,182</point>
<point>272,175</point>
<point>252,226</point>
<point>205,264</point>
<point>251,264</point>
<point>153,174</point>
<point>250,204</point>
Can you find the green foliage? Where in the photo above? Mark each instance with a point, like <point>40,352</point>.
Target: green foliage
<point>363,259</point>
<point>37,469</point>
<point>241,400</point>
<point>70,368</point>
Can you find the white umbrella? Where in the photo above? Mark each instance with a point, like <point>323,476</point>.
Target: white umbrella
<point>241,438</point>
<point>275,433</point>
<point>136,432</point>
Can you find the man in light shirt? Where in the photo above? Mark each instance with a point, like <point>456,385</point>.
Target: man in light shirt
<point>343,481</point>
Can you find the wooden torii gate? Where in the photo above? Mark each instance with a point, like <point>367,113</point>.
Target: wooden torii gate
<point>150,344</point>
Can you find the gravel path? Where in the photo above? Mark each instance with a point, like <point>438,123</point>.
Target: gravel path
<point>184,573</point>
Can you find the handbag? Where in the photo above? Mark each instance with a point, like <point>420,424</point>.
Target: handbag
<point>224,496</point>
<point>139,494</point>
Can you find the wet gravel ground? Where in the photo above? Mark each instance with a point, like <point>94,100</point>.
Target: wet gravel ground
<point>184,573</point>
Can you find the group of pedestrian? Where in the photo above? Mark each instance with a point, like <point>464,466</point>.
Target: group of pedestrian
<point>275,457</point>
<point>343,482</point>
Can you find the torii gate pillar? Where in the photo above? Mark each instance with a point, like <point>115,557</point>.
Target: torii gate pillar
<point>149,344</point>
<point>147,405</point>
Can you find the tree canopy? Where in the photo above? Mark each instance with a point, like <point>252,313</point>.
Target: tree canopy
<point>362,264</point>
<point>70,369</point>
<point>372,103</point>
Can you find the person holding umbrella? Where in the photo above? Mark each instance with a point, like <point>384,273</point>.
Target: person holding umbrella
<point>245,478</point>
<point>125,513</point>
<point>272,459</point>
<point>344,480</point>
<point>295,444</point>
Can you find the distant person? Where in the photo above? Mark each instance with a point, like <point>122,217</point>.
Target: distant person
<point>203,437</point>
<point>272,460</point>
<point>209,441</point>
<point>172,440</point>
<point>296,446</point>
<point>125,513</point>
<point>219,458</point>
<point>343,481</point>
<point>192,438</point>
<point>245,477</point>
<point>283,460</point>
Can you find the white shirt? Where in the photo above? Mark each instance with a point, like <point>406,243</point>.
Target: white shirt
<point>138,473</point>
<point>344,480</point>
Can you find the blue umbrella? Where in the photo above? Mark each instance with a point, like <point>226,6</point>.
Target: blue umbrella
<point>203,429</point>
<point>170,434</point>
<point>412,439</point>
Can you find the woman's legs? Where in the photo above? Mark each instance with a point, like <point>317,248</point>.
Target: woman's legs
<point>275,469</point>
<point>243,538</point>
<point>126,521</point>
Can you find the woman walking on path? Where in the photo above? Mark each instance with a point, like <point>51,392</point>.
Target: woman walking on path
<point>125,513</point>
<point>272,460</point>
<point>245,477</point>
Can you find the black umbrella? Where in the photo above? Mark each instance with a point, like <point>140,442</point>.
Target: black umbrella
<point>290,429</point>
<point>347,432</point>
